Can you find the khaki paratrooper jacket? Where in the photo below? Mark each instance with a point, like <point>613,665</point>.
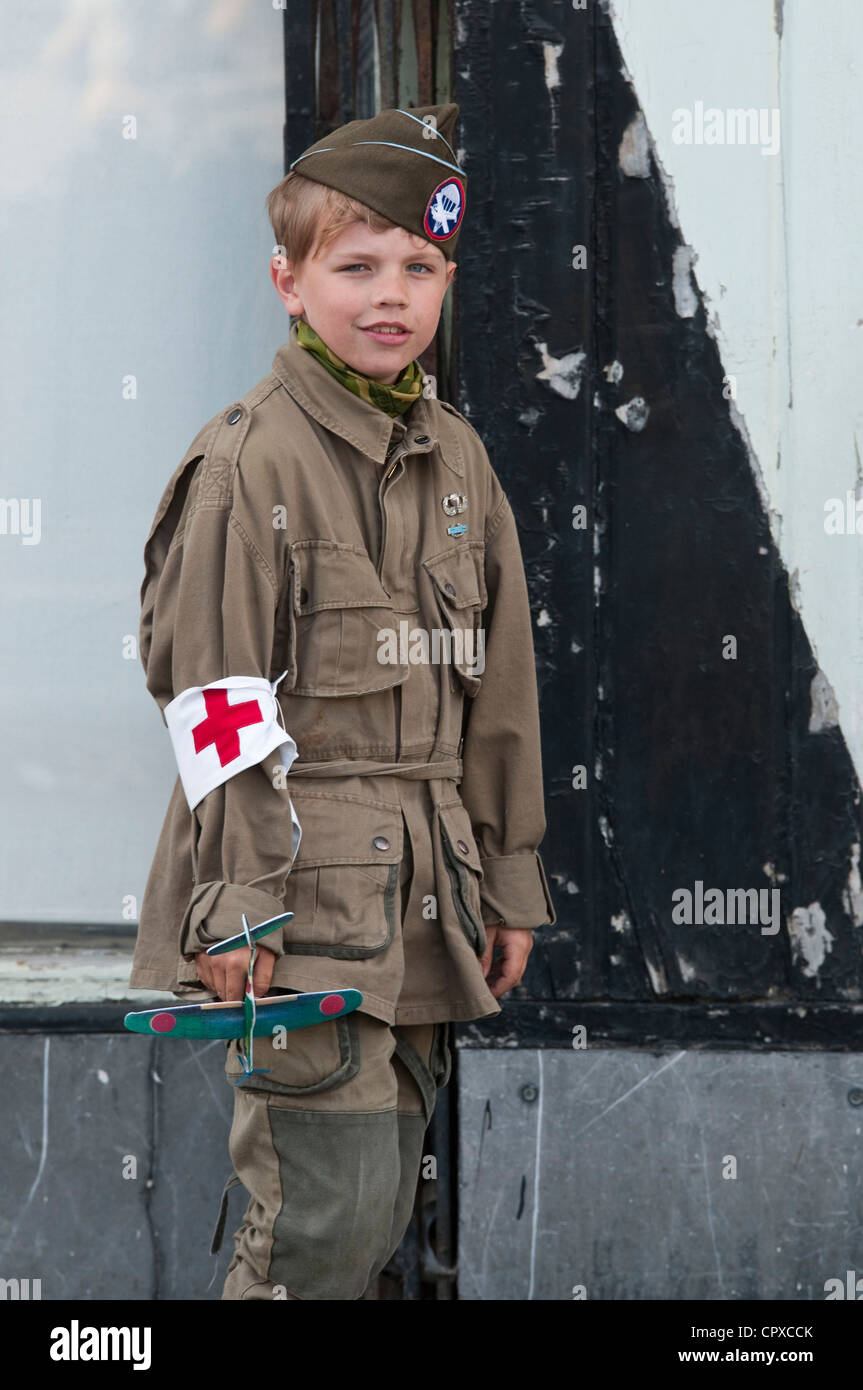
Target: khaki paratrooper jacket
<point>307,535</point>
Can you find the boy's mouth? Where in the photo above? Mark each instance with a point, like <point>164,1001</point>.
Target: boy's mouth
<point>387,332</point>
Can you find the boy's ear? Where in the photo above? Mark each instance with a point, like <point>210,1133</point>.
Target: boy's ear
<point>282,274</point>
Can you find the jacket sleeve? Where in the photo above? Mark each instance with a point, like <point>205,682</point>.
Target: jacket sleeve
<point>502,761</point>
<point>208,605</point>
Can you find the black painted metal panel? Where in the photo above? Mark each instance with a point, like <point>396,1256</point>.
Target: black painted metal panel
<point>698,767</point>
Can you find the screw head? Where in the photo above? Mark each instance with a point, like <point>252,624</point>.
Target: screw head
<point>855,1096</point>
<point>529,1093</point>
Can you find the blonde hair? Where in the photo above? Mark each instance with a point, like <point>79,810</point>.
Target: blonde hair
<point>306,216</point>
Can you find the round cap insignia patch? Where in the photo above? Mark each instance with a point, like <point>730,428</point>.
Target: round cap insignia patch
<point>445,210</point>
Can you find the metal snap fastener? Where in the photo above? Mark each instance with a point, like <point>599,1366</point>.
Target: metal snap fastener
<point>462,846</point>
<point>421,439</point>
<point>381,842</point>
<point>449,589</point>
<point>304,595</point>
<point>234,416</point>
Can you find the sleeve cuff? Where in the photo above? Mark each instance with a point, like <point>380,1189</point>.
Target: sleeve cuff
<point>215,912</point>
<point>515,893</point>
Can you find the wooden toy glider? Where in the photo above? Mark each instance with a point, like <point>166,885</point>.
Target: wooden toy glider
<point>248,1018</point>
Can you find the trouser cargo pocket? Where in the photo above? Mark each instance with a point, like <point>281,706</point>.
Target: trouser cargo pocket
<point>428,1076</point>
<point>301,1061</point>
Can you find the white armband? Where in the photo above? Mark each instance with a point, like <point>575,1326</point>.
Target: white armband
<point>221,729</point>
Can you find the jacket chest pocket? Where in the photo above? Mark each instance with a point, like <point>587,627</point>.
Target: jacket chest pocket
<point>464,868</point>
<point>458,579</point>
<point>344,880</point>
<point>333,623</point>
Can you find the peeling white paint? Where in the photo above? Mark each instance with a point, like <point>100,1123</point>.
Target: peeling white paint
<point>658,982</point>
<point>794,594</point>
<point>852,895</point>
<point>791,320</point>
<point>769,871</point>
<point>633,156</point>
<point>825,710</point>
<point>102,1076</point>
<point>550,53</point>
<point>543,618</point>
<point>685,297</point>
<point>61,975</point>
<point>620,922</point>
<point>563,374</point>
<point>811,941</point>
<point>687,969</point>
<point>614,372</point>
<point>634,414</point>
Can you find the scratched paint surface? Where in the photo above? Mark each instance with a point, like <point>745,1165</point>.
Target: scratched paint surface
<point>690,734</point>
<point>77,1109</point>
<point>775,243</point>
<point>611,1178</point>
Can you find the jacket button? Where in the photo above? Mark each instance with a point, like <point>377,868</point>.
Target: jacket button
<point>381,842</point>
<point>421,439</point>
<point>449,589</point>
<point>234,416</point>
<point>462,846</point>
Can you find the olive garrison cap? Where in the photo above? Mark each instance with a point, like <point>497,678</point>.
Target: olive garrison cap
<point>401,166</point>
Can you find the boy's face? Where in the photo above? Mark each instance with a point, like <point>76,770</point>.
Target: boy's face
<point>363,278</point>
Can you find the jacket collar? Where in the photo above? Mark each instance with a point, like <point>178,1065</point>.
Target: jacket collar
<point>363,425</point>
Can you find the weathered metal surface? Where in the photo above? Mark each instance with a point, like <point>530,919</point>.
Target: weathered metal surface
<point>81,1113</point>
<point>634,1175</point>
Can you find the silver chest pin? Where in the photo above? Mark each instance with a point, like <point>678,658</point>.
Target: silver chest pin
<point>453,503</point>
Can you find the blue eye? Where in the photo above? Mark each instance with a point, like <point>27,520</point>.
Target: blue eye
<point>361,265</point>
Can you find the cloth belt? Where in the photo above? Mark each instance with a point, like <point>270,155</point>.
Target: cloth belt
<point>365,767</point>
<point>448,769</point>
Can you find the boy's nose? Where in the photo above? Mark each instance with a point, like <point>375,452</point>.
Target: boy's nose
<point>392,295</point>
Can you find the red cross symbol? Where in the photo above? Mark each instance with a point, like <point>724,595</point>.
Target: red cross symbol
<point>222,722</point>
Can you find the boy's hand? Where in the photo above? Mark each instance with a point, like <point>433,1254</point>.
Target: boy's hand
<point>226,975</point>
<point>515,945</point>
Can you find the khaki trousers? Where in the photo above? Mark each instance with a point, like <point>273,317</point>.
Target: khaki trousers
<point>329,1146</point>
<point>331,1157</point>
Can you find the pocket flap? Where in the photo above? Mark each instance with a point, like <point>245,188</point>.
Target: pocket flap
<point>342,829</point>
<point>329,574</point>
<point>459,833</point>
<point>460,575</point>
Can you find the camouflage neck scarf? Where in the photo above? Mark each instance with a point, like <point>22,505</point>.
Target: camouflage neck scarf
<point>395,399</point>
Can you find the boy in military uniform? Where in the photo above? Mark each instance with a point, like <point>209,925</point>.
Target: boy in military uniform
<point>335,624</point>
